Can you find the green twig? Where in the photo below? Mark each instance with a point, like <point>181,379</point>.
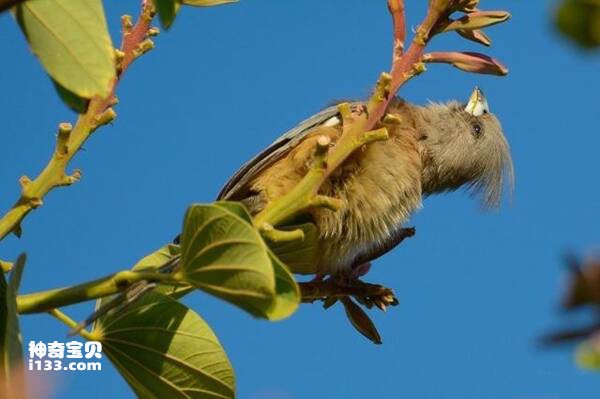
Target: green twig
<point>357,129</point>
<point>305,193</point>
<point>56,298</point>
<point>71,324</point>
<point>70,139</point>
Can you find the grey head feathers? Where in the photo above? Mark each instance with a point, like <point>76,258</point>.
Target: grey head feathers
<point>464,146</point>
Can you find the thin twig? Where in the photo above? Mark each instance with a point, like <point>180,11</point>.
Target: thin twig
<point>357,127</point>
<point>396,8</point>
<point>406,65</point>
<point>69,322</point>
<point>71,139</point>
<point>45,301</point>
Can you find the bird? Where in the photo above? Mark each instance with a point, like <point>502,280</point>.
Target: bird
<point>437,148</point>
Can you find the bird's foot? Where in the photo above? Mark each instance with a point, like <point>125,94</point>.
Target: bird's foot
<point>345,287</point>
<point>338,286</point>
<point>368,294</point>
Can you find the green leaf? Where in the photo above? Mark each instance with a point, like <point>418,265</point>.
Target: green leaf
<point>167,11</point>
<point>71,39</point>
<point>580,21</point>
<point>235,207</point>
<point>158,258</point>
<point>207,3</point>
<point>588,356</point>
<point>288,297</point>
<point>11,346</point>
<point>478,20</point>
<point>152,262</point>
<point>224,255</point>
<point>71,100</point>
<point>165,350</point>
<point>299,256</point>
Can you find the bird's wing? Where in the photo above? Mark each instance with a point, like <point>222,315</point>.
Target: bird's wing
<point>274,152</point>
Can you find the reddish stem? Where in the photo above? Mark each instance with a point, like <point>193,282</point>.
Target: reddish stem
<point>137,34</point>
<point>396,8</point>
<point>132,38</point>
<point>405,65</point>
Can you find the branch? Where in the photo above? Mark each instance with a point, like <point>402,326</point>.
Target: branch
<point>70,139</point>
<point>360,126</point>
<point>357,126</point>
<point>304,194</point>
<point>46,301</point>
<point>396,8</point>
<point>405,66</point>
<point>69,322</point>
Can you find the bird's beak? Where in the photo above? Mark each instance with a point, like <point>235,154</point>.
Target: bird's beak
<point>477,104</point>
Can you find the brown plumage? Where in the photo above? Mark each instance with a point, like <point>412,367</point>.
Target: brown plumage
<point>436,148</point>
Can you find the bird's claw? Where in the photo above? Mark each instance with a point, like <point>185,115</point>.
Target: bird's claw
<point>367,294</point>
<point>381,300</point>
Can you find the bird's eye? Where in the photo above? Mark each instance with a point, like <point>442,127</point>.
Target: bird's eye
<point>477,129</point>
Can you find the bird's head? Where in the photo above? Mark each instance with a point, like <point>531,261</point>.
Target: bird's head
<point>463,146</point>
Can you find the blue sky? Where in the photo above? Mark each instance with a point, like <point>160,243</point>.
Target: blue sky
<point>476,289</point>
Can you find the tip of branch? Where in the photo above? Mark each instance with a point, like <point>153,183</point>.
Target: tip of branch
<point>321,152</point>
<point>153,31</point>
<point>323,143</point>
<point>374,135</point>
<point>68,180</point>
<point>104,118</point>
<point>119,56</point>
<point>345,111</point>
<point>274,235</point>
<point>24,181</point>
<point>382,90</point>
<point>126,23</point>
<point>36,202</point>
<point>323,201</point>
<point>385,79</point>
<point>65,128</point>
<point>143,47</point>
<point>391,119</point>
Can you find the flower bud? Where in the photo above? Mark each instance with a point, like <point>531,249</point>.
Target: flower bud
<point>468,61</point>
<point>477,20</point>
<point>476,35</point>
